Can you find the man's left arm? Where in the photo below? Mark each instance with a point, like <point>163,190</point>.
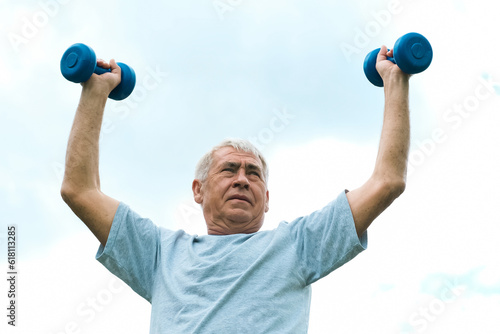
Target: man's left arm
<point>388,180</point>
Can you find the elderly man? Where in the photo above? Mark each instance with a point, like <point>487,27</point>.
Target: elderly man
<point>236,279</point>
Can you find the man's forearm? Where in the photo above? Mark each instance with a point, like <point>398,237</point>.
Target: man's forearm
<point>392,159</point>
<point>82,156</point>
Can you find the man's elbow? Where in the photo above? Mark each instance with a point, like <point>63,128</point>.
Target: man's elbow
<point>394,187</point>
<point>67,193</point>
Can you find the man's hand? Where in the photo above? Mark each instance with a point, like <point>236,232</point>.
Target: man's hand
<point>103,84</point>
<point>386,68</point>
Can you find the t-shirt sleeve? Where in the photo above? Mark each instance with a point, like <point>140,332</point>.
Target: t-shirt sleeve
<point>132,250</point>
<point>326,239</point>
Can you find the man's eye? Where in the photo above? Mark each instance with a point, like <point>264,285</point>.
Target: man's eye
<point>255,173</point>
<point>227,169</point>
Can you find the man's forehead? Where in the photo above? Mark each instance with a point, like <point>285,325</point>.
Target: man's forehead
<point>230,154</point>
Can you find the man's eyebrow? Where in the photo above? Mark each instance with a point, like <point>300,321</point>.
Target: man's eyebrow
<point>253,167</point>
<point>229,164</point>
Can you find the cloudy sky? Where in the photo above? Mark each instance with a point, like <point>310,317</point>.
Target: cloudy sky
<point>288,76</point>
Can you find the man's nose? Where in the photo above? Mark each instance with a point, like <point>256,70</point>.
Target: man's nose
<point>241,179</point>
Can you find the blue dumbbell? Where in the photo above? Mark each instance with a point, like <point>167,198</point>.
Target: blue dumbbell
<point>412,53</point>
<point>79,62</point>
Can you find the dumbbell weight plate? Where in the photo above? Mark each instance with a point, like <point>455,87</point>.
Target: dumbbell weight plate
<point>413,53</point>
<point>78,63</point>
<point>369,66</point>
<point>126,85</point>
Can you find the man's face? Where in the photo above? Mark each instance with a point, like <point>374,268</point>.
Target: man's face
<point>234,196</point>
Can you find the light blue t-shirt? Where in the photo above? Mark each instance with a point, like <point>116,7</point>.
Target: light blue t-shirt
<point>242,283</point>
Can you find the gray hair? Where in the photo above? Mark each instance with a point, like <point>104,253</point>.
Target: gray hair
<point>242,145</point>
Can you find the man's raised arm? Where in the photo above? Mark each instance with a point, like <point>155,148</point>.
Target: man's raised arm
<point>81,187</point>
<point>389,176</point>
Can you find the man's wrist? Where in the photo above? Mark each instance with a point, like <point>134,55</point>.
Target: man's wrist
<point>397,86</point>
<point>93,98</point>
<point>93,92</point>
<point>397,78</point>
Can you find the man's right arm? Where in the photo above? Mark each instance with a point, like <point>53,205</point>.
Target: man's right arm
<point>81,186</point>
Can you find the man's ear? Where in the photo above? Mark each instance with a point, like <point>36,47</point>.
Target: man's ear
<point>267,201</point>
<point>198,197</point>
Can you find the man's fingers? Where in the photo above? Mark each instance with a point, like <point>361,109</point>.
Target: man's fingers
<point>102,63</point>
<point>114,66</point>
<point>382,55</point>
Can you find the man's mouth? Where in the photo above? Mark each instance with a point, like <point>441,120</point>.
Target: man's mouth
<point>240,198</point>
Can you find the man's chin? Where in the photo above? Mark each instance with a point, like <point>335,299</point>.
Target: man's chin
<point>239,216</point>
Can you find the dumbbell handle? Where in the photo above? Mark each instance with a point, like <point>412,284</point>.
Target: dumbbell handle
<point>99,70</point>
<point>391,58</point>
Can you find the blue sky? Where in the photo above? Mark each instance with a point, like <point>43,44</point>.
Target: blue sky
<point>277,73</point>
